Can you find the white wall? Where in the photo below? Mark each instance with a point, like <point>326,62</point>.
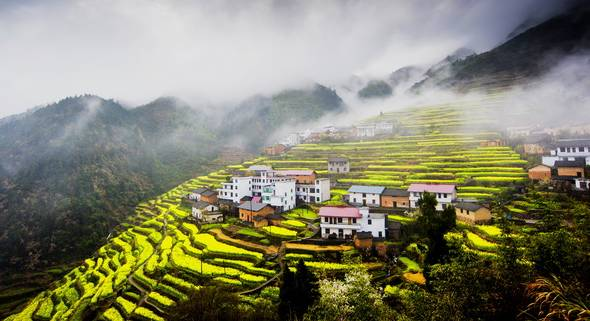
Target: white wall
<point>377,223</point>
<point>373,200</point>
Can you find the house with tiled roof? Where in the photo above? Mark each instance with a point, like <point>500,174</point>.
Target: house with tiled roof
<point>473,213</point>
<point>395,198</point>
<point>445,194</point>
<point>346,222</point>
<point>360,195</point>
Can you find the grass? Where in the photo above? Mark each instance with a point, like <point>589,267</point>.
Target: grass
<point>480,243</point>
<point>400,218</point>
<point>411,266</point>
<point>250,232</point>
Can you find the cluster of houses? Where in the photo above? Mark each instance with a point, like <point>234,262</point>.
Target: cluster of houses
<point>361,131</point>
<point>360,218</point>
<point>259,196</point>
<point>566,162</point>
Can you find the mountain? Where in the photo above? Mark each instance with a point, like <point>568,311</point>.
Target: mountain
<point>255,120</point>
<point>404,77</point>
<point>73,170</point>
<point>375,89</point>
<point>527,55</point>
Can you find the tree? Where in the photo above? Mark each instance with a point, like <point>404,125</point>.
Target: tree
<point>287,294</point>
<point>434,225</point>
<point>351,299</point>
<point>298,292</point>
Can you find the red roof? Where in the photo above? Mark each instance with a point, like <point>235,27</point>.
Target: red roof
<point>300,172</point>
<point>431,188</point>
<point>328,211</point>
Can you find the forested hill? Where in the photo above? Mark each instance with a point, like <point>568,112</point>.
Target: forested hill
<point>74,169</point>
<point>527,55</point>
<point>255,120</point>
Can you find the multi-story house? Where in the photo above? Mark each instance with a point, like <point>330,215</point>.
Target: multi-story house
<point>346,222</point>
<point>235,189</point>
<point>445,194</point>
<point>569,149</point>
<point>338,165</point>
<point>359,195</point>
<point>278,188</point>
<point>280,195</point>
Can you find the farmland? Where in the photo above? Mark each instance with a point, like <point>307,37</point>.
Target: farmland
<point>162,254</point>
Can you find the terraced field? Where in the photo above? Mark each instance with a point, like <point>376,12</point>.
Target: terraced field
<point>141,273</point>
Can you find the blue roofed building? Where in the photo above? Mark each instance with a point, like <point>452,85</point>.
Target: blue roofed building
<point>360,195</point>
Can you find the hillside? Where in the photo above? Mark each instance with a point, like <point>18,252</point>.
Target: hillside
<point>73,170</point>
<point>255,120</point>
<point>527,55</point>
<point>143,271</point>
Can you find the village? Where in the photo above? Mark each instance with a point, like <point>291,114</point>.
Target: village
<point>370,215</point>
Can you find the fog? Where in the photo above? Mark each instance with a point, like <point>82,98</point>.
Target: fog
<point>221,52</point>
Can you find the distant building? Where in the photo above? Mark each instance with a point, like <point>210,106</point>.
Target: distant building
<point>292,140</point>
<point>365,130</point>
<point>540,173</point>
<point>338,165</point>
<point>395,198</point>
<point>473,213</point>
<point>445,194</point>
<point>491,143</point>
<point>274,150</point>
<point>569,149</point>
<point>359,195</point>
<point>571,168</point>
<point>535,144</point>
<point>346,222</point>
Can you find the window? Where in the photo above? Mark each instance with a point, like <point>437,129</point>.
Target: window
<point>370,222</point>
<point>380,234</point>
<point>327,231</point>
<point>354,220</point>
<point>340,220</point>
<point>461,210</point>
<point>325,220</point>
<point>364,195</point>
<point>354,200</point>
<point>562,149</point>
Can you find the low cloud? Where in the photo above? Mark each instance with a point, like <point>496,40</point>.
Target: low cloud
<point>221,52</point>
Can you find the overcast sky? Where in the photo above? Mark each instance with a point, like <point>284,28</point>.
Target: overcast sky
<point>223,51</point>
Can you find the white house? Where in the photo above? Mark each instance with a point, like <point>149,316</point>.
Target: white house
<point>365,130</point>
<point>445,194</point>
<point>568,149</point>
<point>317,192</point>
<point>359,195</point>
<point>345,222</point>
<point>582,184</point>
<point>338,165</point>
<point>235,189</point>
<point>283,187</point>
<point>206,212</point>
<point>292,140</point>
<point>382,128</point>
<point>195,195</point>
<point>280,194</point>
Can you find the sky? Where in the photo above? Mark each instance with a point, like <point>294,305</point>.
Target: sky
<point>219,52</point>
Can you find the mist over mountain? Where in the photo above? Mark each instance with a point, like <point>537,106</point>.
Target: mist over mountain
<point>527,55</point>
<point>74,169</point>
